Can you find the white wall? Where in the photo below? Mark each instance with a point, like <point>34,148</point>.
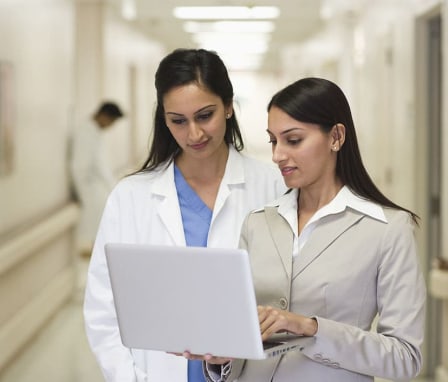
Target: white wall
<point>43,62</point>
<point>36,219</point>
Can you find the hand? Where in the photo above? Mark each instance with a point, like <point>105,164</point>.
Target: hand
<point>203,357</point>
<point>274,320</point>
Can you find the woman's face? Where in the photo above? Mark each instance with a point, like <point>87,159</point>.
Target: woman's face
<point>304,153</point>
<point>196,118</point>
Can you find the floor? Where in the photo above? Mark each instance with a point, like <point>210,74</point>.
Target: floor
<point>60,352</point>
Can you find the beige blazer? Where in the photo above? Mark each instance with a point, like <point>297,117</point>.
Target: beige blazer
<point>352,268</point>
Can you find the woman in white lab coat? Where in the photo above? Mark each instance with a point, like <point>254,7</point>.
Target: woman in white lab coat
<point>194,161</point>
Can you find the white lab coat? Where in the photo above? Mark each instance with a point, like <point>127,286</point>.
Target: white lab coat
<point>145,209</point>
<point>92,178</point>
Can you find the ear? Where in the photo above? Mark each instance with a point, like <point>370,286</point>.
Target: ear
<point>337,136</point>
<point>229,111</point>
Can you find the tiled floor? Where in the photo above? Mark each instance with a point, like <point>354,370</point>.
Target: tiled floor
<point>60,352</point>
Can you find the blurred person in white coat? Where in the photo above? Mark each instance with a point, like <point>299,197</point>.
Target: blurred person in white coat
<point>91,174</point>
<point>194,189</point>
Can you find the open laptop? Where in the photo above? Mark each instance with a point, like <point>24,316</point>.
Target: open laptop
<point>189,298</point>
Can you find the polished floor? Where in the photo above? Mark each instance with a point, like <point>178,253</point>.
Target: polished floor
<point>60,352</point>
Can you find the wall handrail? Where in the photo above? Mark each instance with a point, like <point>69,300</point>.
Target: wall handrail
<point>25,243</point>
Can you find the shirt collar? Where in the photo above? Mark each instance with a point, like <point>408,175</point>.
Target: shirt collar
<point>345,198</point>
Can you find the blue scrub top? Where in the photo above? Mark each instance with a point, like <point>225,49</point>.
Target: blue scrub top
<point>196,218</point>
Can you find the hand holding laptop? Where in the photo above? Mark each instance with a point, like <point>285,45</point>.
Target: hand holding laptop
<point>203,357</point>
<point>195,299</point>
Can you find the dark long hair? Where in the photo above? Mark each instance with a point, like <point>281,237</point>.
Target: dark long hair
<point>182,67</point>
<point>322,102</point>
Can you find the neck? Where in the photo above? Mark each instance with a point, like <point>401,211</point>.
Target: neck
<point>204,169</point>
<point>310,200</point>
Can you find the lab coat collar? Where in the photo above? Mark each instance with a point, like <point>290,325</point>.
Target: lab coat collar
<point>168,209</point>
<point>234,174</point>
<point>165,188</point>
<point>164,180</point>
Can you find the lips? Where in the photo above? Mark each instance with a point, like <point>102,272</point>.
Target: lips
<point>287,170</point>
<point>199,146</point>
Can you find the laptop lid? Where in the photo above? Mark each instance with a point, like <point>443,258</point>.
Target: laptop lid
<point>198,299</point>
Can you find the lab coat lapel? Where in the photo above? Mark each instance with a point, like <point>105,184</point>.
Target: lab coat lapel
<point>282,237</point>
<point>326,232</point>
<point>168,209</point>
<point>233,174</point>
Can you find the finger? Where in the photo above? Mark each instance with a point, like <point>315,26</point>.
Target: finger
<point>269,319</point>
<point>277,321</point>
<point>186,354</point>
<point>263,313</point>
<point>217,360</point>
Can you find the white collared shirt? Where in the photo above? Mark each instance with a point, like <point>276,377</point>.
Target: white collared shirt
<point>345,198</point>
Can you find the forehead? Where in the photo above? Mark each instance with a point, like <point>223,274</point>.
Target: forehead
<point>188,98</point>
<point>280,123</point>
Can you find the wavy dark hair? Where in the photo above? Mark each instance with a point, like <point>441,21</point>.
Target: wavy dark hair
<point>182,67</point>
<point>322,102</point>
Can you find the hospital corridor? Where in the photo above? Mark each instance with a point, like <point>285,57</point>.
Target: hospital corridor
<point>77,94</point>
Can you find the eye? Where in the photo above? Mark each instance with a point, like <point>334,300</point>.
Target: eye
<point>294,142</point>
<point>272,141</point>
<point>178,121</point>
<point>204,116</point>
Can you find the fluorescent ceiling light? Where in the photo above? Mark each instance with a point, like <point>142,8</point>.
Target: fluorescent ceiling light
<point>128,9</point>
<point>229,26</point>
<point>239,44</point>
<point>219,13</point>
<point>239,62</point>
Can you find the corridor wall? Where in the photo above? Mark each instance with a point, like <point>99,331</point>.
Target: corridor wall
<point>51,88</point>
<point>36,216</point>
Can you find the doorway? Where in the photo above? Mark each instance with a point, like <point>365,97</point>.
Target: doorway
<point>428,164</point>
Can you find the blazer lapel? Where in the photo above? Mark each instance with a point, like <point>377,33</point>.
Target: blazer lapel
<point>282,237</point>
<point>326,232</point>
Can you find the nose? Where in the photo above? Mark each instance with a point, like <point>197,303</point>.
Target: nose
<point>195,133</point>
<point>278,155</point>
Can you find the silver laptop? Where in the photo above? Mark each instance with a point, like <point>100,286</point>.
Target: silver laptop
<point>189,298</point>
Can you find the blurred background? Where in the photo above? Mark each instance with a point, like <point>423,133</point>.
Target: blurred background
<point>60,58</point>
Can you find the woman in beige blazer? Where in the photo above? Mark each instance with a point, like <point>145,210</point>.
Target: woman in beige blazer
<point>331,255</point>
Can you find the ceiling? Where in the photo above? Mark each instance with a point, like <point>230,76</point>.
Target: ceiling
<point>298,20</point>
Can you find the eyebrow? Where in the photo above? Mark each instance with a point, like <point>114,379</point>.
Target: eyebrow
<point>196,112</point>
<point>286,131</point>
